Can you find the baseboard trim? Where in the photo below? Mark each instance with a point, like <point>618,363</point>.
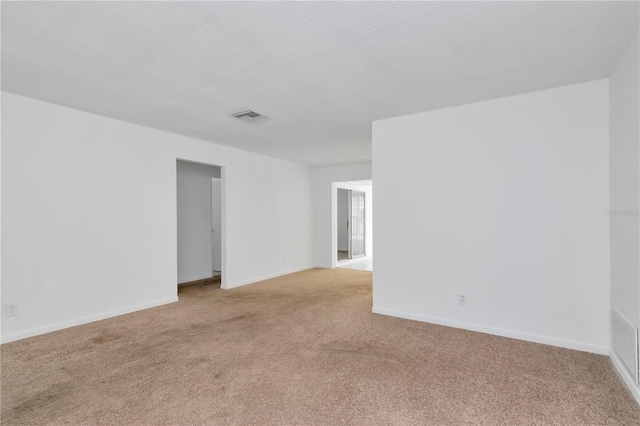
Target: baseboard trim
<point>552,341</point>
<point>263,278</point>
<point>85,320</point>
<point>626,377</point>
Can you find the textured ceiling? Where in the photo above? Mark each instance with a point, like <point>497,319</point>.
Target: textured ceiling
<point>321,71</point>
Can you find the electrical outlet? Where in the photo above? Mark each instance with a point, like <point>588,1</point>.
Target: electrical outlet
<point>10,309</point>
<point>462,299</point>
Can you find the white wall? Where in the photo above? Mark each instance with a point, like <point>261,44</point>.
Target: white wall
<point>343,217</point>
<point>503,201</point>
<point>324,197</point>
<point>625,188</point>
<point>625,185</point>
<point>194,220</point>
<point>89,215</point>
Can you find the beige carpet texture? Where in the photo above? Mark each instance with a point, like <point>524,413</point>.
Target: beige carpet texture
<point>302,349</point>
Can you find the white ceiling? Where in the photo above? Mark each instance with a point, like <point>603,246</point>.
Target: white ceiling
<point>321,71</point>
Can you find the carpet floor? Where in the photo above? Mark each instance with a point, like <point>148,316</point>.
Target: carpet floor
<point>302,349</point>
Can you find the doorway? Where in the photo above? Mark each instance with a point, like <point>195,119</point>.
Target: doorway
<point>216,226</point>
<point>351,224</point>
<point>200,223</point>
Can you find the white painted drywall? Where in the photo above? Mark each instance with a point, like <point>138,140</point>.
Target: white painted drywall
<point>89,223</point>
<point>624,163</point>
<point>503,201</point>
<point>625,185</point>
<point>342,219</point>
<point>324,197</point>
<point>194,211</point>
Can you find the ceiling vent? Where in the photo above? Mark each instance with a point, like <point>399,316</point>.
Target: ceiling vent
<point>249,116</point>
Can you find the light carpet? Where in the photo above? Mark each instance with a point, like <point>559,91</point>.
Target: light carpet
<point>302,349</point>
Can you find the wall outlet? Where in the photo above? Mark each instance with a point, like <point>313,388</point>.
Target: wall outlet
<point>10,309</point>
<point>462,299</point>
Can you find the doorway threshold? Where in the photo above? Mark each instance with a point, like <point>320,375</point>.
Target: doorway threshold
<point>213,281</point>
<point>363,263</point>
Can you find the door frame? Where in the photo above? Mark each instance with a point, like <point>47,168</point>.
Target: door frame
<point>211,226</point>
<point>223,220</point>
<point>350,223</point>
<point>368,190</point>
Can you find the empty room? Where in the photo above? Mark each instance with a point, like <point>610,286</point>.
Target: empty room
<point>188,217</point>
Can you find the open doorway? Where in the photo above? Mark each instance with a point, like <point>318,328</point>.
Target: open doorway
<point>216,226</point>
<point>200,226</point>
<point>353,226</point>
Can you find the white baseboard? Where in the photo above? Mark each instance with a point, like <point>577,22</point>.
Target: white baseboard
<point>265,277</point>
<point>323,266</point>
<point>67,324</point>
<point>626,377</point>
<point>196,278</point>
<point>568,344</point>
